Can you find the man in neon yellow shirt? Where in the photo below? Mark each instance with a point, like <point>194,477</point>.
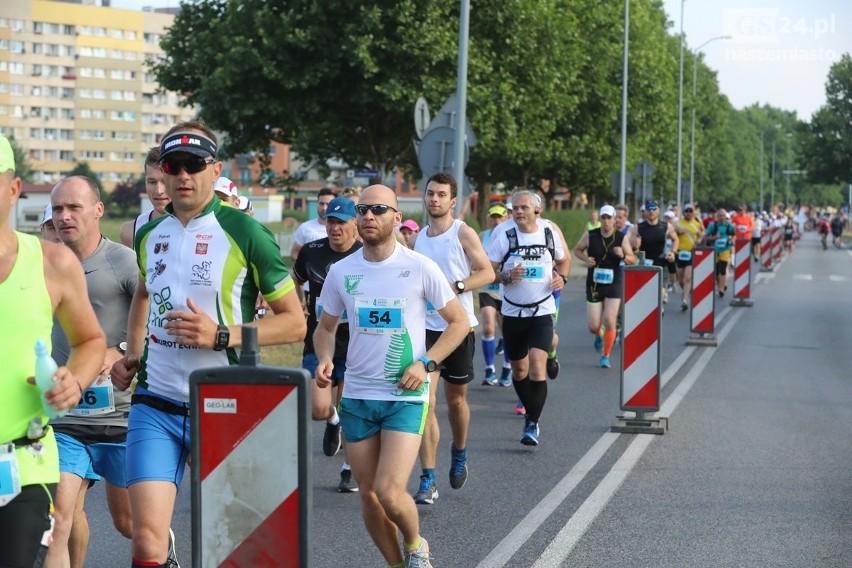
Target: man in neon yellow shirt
<point>690,233</point>
<point>37,280</point>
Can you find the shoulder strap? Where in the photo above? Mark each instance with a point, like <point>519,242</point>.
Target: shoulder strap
<point>548,242</point>
<point>512,235</point>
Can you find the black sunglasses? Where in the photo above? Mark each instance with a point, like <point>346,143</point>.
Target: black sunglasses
<point>192,164</point>
<point>377,209</point>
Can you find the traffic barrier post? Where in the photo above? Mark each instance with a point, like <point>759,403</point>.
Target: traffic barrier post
<point>702,305</point>
<point>742,274</point>
<point>251,484</point>
<point>640,351</point>
<point>766,250</point>
<point>777,245</point>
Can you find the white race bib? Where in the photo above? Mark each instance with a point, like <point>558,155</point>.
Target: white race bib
<point>603,275</point>
<point>97,399</point>
<point>380,316</point>
<point>684,255</point>
<point>318,310</point>
<point>535,271</point>
<point>10,483</point>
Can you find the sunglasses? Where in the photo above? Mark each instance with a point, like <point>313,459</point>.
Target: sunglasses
<point>192,164</point>
<point>377,209</point>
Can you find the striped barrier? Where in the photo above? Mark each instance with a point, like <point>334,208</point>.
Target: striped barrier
<point>742,274</point>
<point>766,250</point>
<point>777,244</point>
<point>702,313</point>
<point>251,488</point>
<point>640,352</point>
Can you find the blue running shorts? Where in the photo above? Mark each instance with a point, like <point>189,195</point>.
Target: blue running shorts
<point>310,364</point>
<point>157,443</point>
<point>92,461</point>
<point>364,418</point>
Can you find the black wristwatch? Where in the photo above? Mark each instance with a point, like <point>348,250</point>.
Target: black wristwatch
<point>460,286</point>
<point>431,366</point>
<point>223,337</point>
<point>122,347</point>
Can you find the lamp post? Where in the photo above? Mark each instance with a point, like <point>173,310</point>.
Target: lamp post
<point>680,112</point>
<point>772,191</point>
<point>763,169</point>
<point>622,184</point>
<point>692,143</point>
<point>760,203</point>
<point>788,172</point>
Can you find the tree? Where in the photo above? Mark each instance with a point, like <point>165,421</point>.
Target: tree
<point>23,169</point>
<point>125,195</point>
<point>83,169</point>
<point>828,149</point>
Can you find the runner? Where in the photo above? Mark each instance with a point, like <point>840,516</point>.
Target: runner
<point>720,233</point>
<point>652,237</point>
<point>622,221</point>
<point>38,280</point>
<point>604,250</point>
<point>385,288</point>
<point>744,224</point>
<point>156,192</point>
<point>47,229</point>
<point>456,250</point>
<point>91,438</point>
<point>409,229</point>
<point>200,270</point>
<point>226,190</point>
<point>312,266</point>
<point>313,229</point>
<point>671,218</point>
<point>490,302</point>
<point>524,254</point>
<point>690,233</point>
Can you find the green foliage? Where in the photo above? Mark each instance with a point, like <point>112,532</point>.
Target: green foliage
<point>126,195</point>
<point>828,147</point>
<point>23,169</point>
<point>83,169</point>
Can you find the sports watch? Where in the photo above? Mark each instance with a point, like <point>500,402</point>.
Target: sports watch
<point>431,366</point>
<point>460,286</point>
<point>223,337</point>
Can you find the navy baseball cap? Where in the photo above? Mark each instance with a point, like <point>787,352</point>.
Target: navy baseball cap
<point>651,205</point>
<point>341,208</point>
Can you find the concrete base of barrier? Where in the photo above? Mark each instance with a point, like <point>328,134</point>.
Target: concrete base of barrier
<point>767,269</point>
<point>640,425</point>
<point>702,340</point>
<point>742,303</point>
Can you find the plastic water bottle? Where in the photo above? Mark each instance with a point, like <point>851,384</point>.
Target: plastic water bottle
<point>44,370</point>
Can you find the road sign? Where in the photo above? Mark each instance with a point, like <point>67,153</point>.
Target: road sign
<point>422,117</point>
<point>366,173</point>
<point>436,151</point>
<point>447,117</point>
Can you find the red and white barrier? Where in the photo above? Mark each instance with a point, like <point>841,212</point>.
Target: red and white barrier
<point>640,361</point>
<point>766,250</point>
<point>742,273</point>
<point>702,318</point>
<point>777,246</point>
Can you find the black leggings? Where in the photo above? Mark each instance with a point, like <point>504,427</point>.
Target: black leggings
<point>23,523</point>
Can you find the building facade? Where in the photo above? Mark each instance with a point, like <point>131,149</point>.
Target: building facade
<point>75,87</point>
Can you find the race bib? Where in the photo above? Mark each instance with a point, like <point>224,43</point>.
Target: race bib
<point>97,399</point>
<point>430,309</point>
<point>493,287</point>
<point>603,275</point>
<point>684,255</point>
<point>318,310</point>
<point>649,262</point>
<point>380,316</point>
<point>721,243</point>
<point>742,228</point>
<point>534,271</point>
<point>10,482</point>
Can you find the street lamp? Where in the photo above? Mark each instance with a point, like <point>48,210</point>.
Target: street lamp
<point>762,168</point>
<point>692,144</point>
<point>680,112</point>
<point>622,183</point>
<point>788,172</point>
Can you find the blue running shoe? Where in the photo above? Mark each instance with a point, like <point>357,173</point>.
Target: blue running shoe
<point>598,343</point>
<point>490,379</point>
<point>428,491</point>
<point>505,379</point>
<point>458,469</point>
<point>605,362</point>
<point>530,435</point>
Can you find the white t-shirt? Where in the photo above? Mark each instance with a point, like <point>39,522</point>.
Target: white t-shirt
<point>386,302</point>
<point>309,231</point>
<point>536,285</point>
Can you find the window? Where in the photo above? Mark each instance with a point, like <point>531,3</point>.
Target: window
<point>36,133</point>
<point>85,71</point>
<point>85,94</point>
<point>16,90</point>
<point>38,48</point>
<point>130,34</point>
<point>67,114</point>
<point>36,72</point>
<point>16,68</point>
<point>115,95</point>
<point>98,94</point>
<point>66,50</point>
<point>16,46</point>
<point>117,54</point>
<point>99,73</point>
<point>66,155</point>
<point>50,133</point>
<point>16,25</point>
<point>66,134</point>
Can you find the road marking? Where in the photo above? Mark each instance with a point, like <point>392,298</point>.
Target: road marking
<point>836,278</point>
<point>803,277</point>
<point>506,548</point>
<point>564,542</point>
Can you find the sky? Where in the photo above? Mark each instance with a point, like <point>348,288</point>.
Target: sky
<point>779,51</point>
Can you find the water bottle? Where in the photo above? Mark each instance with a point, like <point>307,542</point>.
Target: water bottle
<point>44,370</point>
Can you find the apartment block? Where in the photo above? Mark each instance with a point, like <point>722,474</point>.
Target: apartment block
<point>75,87</point>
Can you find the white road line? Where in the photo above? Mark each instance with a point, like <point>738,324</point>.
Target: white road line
<point>561,546</point>
<point>506,548</point>
<point>803,277</point>
<point>836,278</point>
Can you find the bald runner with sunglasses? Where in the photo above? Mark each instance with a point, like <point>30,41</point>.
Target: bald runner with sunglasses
<point>201,268</point>
<point>385,289</point>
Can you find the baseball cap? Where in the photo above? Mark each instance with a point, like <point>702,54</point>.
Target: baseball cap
<point>48,214</point>
<point>607,210</point>
<point>7,155</point>
<point>226,186</point>
<point>651,205</point>
<point>190,142</point>
<point>688,207</point>
<point>341,208</point>
<point>669,213</point>
<point>498,209</point>
<point>244,203</point>
<point>410,224</point>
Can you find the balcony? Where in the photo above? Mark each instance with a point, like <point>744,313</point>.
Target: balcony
<point>69,77</point>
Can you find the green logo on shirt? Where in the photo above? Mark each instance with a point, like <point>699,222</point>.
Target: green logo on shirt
<point>351,282</point>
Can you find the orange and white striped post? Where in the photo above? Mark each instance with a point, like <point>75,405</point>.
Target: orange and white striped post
<point>702,313</point>
<point>766,250</point>
<point>742,274</point>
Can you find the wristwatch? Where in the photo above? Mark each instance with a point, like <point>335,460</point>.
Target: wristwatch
<point>460,286</point>
<point>431,366</point>
<point>223,337</point>
<point>122,347</point>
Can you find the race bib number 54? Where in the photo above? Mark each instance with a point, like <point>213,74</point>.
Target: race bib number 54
<point>380,316</point>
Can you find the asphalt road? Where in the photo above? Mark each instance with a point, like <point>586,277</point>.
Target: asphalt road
<point>756,469</point>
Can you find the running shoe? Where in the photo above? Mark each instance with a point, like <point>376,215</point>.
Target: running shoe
<point>428,491</point>
<point>684,306</point>
<point>458,469</point>
<point>552,368</point>
<point>171,560</point>
<point>519,408</point>
<point>490,379</point>
<point>418,558</point>
<point>499,349</point>
<point>347,482</point>
<point>530,434</point>
<point>721,293</point>
<point>605,362</point>
<point>505,379</point>
<point>331,440</point>
<point>598,343</point>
